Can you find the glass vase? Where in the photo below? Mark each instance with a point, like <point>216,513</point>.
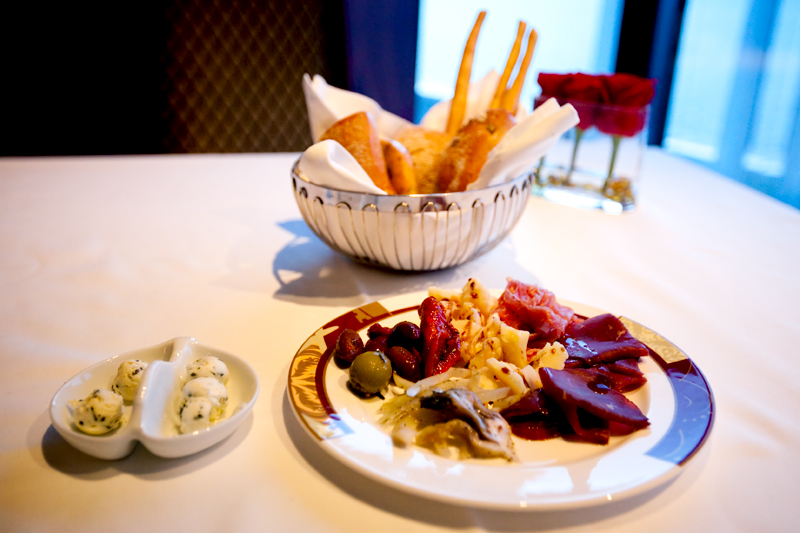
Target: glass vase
<point>596,164</point>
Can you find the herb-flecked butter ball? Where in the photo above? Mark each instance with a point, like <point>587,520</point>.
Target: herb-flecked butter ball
<point>208,367</point>
<point>209,388</point>
<point>128,377</point>
<point>98,413</point>
<point>196,414</point>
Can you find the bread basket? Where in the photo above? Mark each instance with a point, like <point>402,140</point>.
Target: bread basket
<point>415,232</point>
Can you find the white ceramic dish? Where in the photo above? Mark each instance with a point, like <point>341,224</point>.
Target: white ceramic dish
<point>552,474</point>
<point>153,415</point>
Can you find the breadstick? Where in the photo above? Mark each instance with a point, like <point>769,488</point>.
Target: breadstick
<point>510,64</point>
<point>458,106</point>
<point>511,97</point>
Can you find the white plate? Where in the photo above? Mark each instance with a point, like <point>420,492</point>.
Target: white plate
<point>552,474</point>
<point>152,418</point>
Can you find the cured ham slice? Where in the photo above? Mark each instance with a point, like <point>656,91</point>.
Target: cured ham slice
<point>534,309</point>
<point>581,392</point>
<point>601,339</point>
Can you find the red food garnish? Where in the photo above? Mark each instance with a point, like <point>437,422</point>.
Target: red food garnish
<point>590,405</point>
<point>601,339</point>
<point>535,429</point>
<point>534,417</point>
<point>619,381</point>
<point>441,346</point>
<point>533,405</point>
<point>534,309</point>
<point>626,366</point>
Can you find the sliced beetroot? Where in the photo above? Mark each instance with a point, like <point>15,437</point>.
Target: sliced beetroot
<point>536,417</point>
<point>602,339</point>
<point>590,428</point>
<point>618,381</point>
<point>614,380</point>
<point>626,366</point>
<point>624,383</point>
<point>535,429</point>
<point>615,429</point>
<point>533,405</point>
<point>587,390</point>
<point>577,390</point>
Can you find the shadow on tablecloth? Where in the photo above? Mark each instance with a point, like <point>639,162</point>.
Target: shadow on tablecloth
<point>311,273</point>
<point>57,453</point>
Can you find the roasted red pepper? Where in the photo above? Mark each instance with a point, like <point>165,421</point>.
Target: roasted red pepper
<point>441,346</point>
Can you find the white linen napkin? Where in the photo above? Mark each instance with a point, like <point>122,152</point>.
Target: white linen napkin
<point>527,142</point>
<point>327,105</point>
<point>332,166</point>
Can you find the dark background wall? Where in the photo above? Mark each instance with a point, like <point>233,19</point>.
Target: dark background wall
<point>159,77</point>
<point>178,76</point>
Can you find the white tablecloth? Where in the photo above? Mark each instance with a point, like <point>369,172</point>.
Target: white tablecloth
<point>102,255</point>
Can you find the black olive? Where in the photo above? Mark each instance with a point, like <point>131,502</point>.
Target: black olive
<point>349,345</point>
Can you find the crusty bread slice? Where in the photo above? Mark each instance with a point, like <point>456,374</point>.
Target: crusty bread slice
<point>465,156</point>
<point>426,148</point>
<point>359,136</point>
<point>400,167</point>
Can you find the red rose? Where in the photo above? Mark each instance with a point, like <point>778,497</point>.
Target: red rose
<point>578,86</point>
<point>629,90</point>
<point>628,96</point>
<point>585,88</point>
<point>580,90</point>
<point>621,120</point>
<point>551,83</point>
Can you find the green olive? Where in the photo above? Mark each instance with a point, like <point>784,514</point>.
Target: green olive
<point>370,372</point>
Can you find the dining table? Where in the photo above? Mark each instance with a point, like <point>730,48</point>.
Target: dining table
<point>104,255</point>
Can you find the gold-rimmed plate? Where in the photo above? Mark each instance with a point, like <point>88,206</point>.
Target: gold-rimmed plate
<point>552,474</point>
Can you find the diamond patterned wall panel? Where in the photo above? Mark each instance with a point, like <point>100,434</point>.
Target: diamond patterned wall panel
<point>234,71</point>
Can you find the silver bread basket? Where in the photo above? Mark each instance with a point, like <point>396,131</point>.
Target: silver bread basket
<point>416,232</point>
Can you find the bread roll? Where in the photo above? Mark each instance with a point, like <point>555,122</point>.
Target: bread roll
<point>426,148</point>
<point>466,154</point>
